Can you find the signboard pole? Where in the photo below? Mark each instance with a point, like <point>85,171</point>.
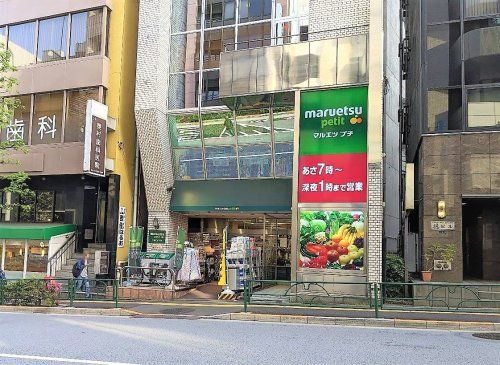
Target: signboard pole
<point>223,265</point>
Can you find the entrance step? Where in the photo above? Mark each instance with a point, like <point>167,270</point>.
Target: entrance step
<point>148,293</point>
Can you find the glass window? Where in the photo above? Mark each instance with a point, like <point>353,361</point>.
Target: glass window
<point>47,118</point>
<point>323,66</point>
<point>183,91</point>
<point>228,40</point>
<point>187,54</point>
<point>59,206</point>
<point>255,161</point>
<point>254,36</point>
<point>185,130</point>
<point>76,112</point>
<point>214,13</point>
<point>27,209</point>
<point>252,10</point>
<point>483,107</point>
<point>10,212</point>
<point>212,49</point>
<point>3,38</point>
<point>52,39</point>
<point>481,7</point>
<point>185,15</point>
<point>444,110</point>
<point>283,160</point>
<point>37,256</point>
<point>253,126</point>
<point>442,10</point>
<point>229,11</point>
<point>443,55</point>
<point>283,120</point>
<point>18,129</point>
<point>210,90</point>
<point>14,255</point>
<point>188,163</point>
<point>22,43</point>
<point>86,34</point>
<point>44,206</point>
<point>218,128</point>
<point>221,162</point>
<point>482,51</point>
<point>351,55</point>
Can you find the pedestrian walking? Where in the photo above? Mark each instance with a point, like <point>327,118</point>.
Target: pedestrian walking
<point>81,274</point>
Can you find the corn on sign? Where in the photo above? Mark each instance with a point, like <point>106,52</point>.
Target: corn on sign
<point>333,146</point>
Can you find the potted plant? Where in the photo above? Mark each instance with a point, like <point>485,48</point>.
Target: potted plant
<point>439,251</point>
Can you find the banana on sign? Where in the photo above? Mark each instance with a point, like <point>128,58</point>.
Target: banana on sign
<point>332,240</point>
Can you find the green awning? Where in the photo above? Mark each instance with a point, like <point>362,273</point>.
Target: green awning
<point>34,231</point>
<point>266,195</point>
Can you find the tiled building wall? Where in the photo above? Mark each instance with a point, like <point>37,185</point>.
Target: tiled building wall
<point>453,165</point>
<point>150,109</point>
<point>338,18</point>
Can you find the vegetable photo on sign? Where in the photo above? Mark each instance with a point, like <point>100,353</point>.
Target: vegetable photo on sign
<point>332,240</point>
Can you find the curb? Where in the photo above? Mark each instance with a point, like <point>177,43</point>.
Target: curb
<point>363,322</point>
<point>65,310</point>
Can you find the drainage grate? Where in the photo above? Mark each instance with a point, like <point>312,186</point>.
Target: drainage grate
<point>177,311</point>
<point>488,335</point>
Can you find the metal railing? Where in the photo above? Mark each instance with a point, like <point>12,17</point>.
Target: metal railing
<point>310,293</point>
<point>61,256</point>
<point>52,292</point>
<point>444,297</point>
<point>453,297</point>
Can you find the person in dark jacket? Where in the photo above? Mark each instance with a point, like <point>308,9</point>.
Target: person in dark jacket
<point>82,280</point>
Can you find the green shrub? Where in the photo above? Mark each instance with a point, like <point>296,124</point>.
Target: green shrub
<point>28,292</point>
<point>394,273</point>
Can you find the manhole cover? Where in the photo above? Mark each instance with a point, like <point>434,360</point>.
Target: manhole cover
<point>176,311</point>
<point>487,335</point>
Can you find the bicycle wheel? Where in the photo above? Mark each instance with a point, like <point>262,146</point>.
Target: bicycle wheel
<point>163,277</point>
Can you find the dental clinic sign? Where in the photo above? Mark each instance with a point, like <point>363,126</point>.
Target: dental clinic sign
<point>333,146</point>
<point>94,158</point>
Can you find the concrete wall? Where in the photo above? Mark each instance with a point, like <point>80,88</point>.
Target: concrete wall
<point>392,147</point>
<point>453,165</point>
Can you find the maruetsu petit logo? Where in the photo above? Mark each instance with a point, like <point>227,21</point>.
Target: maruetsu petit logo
<point>336,116</point>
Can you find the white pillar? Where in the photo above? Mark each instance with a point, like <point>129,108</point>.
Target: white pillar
<point>25,258</point>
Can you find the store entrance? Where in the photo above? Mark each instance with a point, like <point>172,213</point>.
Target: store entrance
<point>481,238</point>
<point>267,236</point>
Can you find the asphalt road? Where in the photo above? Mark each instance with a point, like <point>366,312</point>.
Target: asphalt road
<point>35,339</point>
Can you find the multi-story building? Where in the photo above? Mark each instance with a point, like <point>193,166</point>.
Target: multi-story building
<point>66,53</point>
<point>453,99</point>
<point>221,97</point>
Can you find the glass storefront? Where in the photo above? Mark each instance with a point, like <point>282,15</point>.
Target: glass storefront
<point>24,258</point>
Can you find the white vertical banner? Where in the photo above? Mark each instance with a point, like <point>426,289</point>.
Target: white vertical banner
<point>121,227</point>
<point>94,157</point>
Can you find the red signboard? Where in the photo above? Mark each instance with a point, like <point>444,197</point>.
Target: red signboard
<point>332,178</point>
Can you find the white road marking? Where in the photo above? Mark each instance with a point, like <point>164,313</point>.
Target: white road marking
<point>61,359</point>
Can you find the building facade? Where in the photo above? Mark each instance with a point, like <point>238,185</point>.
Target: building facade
<point>453,100</point>
<point>221,92</point>
<point>67,53</point>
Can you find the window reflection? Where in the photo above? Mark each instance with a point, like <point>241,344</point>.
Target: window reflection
<point>18,128</point>
<point>444,110</point>
<point>76,111</point>
<point>86,32</point>
<point>52,39</point>
<point>283,159</point>
<point>47,118</point>
<point>188,163</point>
<point>283,119</point>
<point>185,130</point>
<point>351,55</point>
<point>37,256</point>
<point>22,43</point>
<point>14,255</point>
<point>218,128</point>
<point>483,107</point>
<point>183,90</point>
<point>255,161</point>
<point>221,162</point>
<point>253,126</point>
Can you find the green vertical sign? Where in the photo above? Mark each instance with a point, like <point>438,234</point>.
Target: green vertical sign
<point>179,248</point>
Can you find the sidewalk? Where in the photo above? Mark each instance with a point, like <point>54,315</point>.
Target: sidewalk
<point>234,311</point>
